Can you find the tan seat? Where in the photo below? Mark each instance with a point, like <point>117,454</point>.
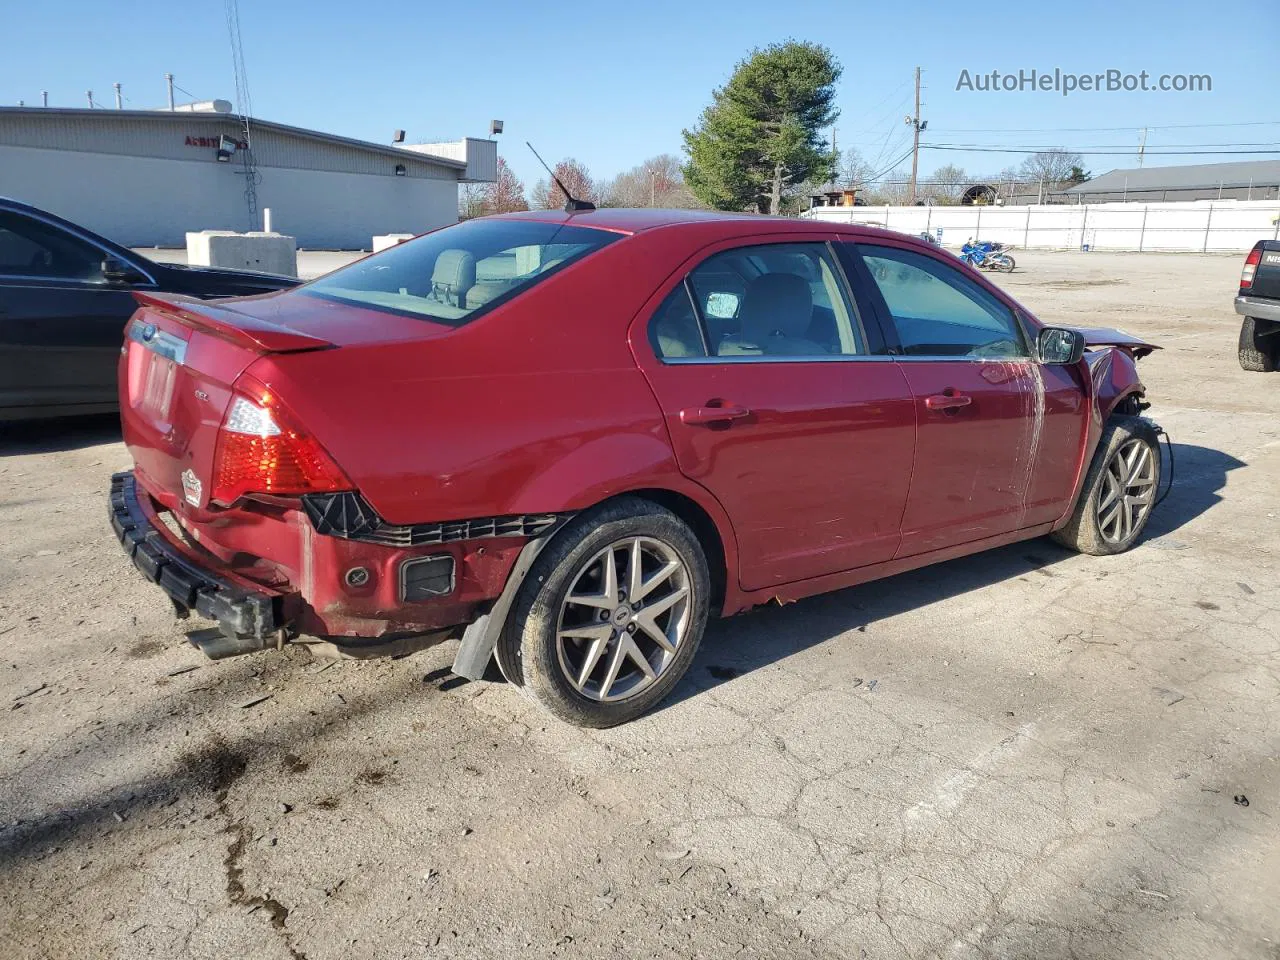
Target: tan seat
<point>776,311</point>
<point>484,291</point>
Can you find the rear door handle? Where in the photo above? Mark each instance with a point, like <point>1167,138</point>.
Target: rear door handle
<point>947,401</point>
<point>723,413</point>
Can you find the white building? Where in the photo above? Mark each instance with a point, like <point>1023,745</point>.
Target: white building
<point>146,177</point>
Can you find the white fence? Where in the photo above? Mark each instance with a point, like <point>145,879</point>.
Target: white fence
<point>1199,226</point>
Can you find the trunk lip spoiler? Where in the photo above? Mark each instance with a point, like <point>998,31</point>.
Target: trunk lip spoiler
<point>224,321</point>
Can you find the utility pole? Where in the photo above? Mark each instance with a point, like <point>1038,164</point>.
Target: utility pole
<point>119,97</point>
<point>835,157</point>
<point>88,94</point>
<point>44,97</point>
<point>168,78</point>
<point>1142,147</point>
<point>916,127</point>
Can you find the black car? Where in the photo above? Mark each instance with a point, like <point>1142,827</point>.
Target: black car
<point>1258,302</point>
<point>65,296</point>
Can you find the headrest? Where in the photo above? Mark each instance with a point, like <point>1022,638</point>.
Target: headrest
<point>776,304</point>
<point>455,270</point>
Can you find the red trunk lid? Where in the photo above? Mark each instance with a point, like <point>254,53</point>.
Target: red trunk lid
<point>182,357</point>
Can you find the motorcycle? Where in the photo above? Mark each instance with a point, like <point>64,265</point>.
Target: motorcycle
<point>987,255</point>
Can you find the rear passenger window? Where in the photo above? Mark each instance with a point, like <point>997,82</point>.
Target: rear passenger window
<point>939,312</point>
<point>673,331</point>
<point>783,300</point>
<point>29,248</point>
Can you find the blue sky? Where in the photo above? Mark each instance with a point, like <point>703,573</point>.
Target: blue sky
<point>613,83</point>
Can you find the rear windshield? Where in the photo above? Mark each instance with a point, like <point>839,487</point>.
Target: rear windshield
<point>455,274</point>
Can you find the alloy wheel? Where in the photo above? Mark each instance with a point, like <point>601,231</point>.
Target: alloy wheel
<point>623,619</point>
<point>1128,491</point>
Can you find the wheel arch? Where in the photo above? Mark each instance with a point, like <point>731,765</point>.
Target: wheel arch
<point>695,507</point>
<point>1116,383</point>
<point>704,527</point>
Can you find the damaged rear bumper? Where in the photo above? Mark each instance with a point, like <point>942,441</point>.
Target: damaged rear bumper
<point>248,616</point>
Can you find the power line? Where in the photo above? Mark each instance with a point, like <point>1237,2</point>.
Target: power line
<point>889,169</point>
<point>1097,153</point>
<point>885,98</point>
<point>892,125</point>
<point>1110,146</point>
<point>900,105</point>
<point>1135,128</point>
<point>887,150</point>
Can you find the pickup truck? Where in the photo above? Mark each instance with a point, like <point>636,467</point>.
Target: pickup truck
<point>1259,303</point>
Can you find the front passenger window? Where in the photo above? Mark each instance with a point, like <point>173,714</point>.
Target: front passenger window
<point>939,312</point>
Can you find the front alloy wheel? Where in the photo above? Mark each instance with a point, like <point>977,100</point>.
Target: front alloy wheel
<point>1128,491</point>
<point>1119,491</point>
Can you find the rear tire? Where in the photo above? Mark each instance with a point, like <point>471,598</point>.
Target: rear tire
<point>1119,490</point>
<point>1258,348</point>
<point>596,648</point>
<point>1010,263</point>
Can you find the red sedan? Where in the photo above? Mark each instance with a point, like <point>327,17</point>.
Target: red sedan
<point>572,437</point>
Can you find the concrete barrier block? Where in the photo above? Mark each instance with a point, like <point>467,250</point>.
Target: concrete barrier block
<point>386,240</point>
<point>264,252</point>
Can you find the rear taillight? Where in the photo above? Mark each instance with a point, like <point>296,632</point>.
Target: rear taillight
<point>260,451</point>
<point>1250,268</point>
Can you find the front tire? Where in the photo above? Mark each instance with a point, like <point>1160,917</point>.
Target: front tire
<point>610,616</point>
<point>1119,489</point>
<point>1257,354</point>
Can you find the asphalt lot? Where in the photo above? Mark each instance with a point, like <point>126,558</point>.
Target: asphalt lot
<point>1026,753</point>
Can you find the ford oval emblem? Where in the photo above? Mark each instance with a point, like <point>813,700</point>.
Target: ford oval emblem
<point>149,331</point>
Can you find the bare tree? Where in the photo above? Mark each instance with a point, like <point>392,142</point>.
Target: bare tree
<point>854,170</point>
<point>658,182</point>
<point>1050,167</point>
<point>471,201</point>
<point>577,180</point>
<point>506,193</point>
<point>947,185</point>
<point>892,188</point>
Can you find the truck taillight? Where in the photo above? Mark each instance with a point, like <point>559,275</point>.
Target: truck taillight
<point>1250,268</point>
<point>260,451</point>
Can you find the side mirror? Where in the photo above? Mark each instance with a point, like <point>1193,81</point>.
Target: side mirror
<point>1060,346</point>
<point>117,271</point>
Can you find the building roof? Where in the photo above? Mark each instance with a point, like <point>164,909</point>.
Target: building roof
<point>187,118</point>
<point>1243,173</point>
<point>823,189</point>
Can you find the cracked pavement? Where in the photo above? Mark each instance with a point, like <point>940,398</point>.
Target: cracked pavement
<point>1026,753</point>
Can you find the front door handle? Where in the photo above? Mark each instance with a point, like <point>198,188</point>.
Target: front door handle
<point>713,413</point>
<point>947,401</point>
